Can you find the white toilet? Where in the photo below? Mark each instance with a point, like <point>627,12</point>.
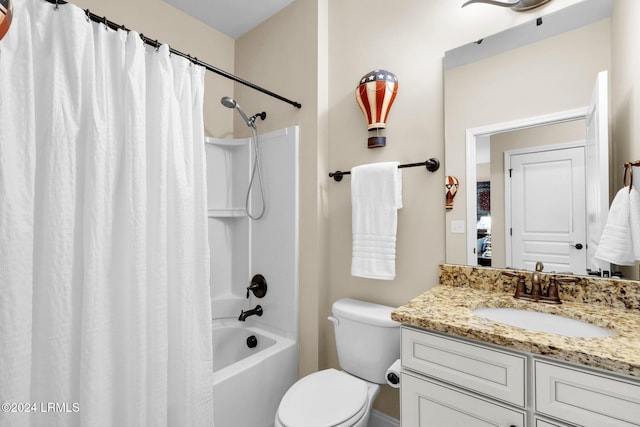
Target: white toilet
<point>368,343</point>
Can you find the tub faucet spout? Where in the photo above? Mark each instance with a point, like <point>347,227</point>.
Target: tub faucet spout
<point>253,312</point>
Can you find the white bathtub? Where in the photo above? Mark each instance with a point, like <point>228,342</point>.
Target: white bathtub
<point>248,383</point>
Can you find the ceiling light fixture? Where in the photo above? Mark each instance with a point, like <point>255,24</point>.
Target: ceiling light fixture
<point>516,5</point>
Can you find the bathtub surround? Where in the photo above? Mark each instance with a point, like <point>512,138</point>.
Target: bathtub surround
<point>248,387</point>
<point>241,249</point>
<point>104,258</point>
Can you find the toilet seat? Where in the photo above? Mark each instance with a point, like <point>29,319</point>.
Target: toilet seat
<point>328,398</point>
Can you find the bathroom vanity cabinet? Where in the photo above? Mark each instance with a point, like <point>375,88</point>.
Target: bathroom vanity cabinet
<point>451,381</point>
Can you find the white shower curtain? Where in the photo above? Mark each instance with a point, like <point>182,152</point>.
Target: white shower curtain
<point>104,295</point>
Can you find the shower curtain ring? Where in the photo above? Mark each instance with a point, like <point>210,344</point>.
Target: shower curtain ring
<point>157,45</point>
<point>104,21</point>
<point>88,15</point>
<point>56,7</point>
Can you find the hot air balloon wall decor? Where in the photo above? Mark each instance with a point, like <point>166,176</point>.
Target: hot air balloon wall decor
<point>451,185</point>
<point>375,95</point>
<point>6,16</point>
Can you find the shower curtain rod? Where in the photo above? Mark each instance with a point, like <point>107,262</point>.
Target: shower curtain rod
<point>193,59</point>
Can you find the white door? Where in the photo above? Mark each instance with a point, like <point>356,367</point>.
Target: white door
<point>547,213</point>
<point>597,167</point>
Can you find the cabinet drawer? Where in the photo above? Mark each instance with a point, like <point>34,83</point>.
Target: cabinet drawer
<point>491,372</point>
<point>584,398</point>
<point>431,404</point>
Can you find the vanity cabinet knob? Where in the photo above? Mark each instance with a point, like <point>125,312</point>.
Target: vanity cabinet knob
<point>577,246</point>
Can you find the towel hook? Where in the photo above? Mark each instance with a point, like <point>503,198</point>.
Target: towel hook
<point>628,167</point>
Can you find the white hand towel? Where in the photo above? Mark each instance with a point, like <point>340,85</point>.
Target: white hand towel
<point>634,220</point>
<point>616,242</point>
<point>376,196</point>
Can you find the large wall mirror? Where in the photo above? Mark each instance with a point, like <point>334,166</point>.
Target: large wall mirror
<point>521,97</point>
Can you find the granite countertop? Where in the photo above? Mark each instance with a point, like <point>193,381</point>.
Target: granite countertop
<point>448,309</point>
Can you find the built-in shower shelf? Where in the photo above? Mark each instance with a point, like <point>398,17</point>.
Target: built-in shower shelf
<point>227,213</point>
<point>225,142</point>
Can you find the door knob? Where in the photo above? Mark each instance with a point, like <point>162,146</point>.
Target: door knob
<point>577,246</point>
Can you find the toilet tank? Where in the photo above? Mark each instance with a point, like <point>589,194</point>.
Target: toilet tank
<point>368,341</point>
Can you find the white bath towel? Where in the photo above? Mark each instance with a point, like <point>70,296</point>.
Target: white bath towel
<point>620,240</point>
<point>634,220</point>
<point>376,196</point>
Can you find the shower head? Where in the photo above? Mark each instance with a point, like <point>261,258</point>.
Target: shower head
<point>229,102</point>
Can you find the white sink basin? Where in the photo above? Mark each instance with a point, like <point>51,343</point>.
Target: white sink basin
<point>543,322</point>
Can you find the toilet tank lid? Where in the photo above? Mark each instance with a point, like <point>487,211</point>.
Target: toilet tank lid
<point>365,312</point>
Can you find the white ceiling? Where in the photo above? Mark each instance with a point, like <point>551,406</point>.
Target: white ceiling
<point>231,17</point>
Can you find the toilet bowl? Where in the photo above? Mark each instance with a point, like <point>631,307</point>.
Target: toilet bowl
<point>327,398</point>
<point>368,342</point>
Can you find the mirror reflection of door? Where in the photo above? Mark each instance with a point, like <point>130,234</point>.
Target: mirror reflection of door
<point>545,208</point>
<point>559,128</point>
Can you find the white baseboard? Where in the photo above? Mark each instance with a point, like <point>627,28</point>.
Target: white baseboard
<point>380,419</point>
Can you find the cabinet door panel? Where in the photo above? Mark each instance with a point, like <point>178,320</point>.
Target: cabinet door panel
<point>587,399</point>
<point>431,404</point>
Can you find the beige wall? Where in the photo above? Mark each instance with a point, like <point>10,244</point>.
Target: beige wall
<point>552,75</point>
<point>483,172</point>
<point>158,20</point>
<point>625,85</point>
<point>625,93</point>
